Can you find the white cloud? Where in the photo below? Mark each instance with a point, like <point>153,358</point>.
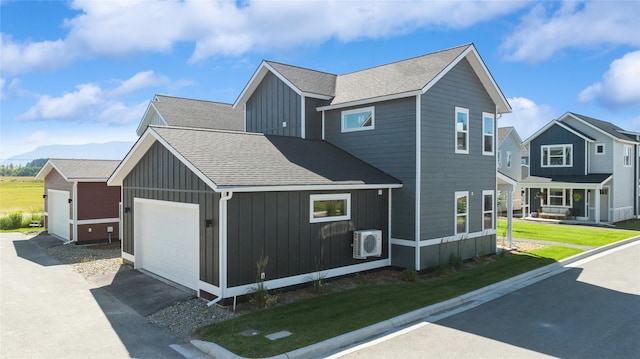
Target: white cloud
<point>90,102</point>
<point>547,29</point>
<point>119,27</point>
<point>2,81</point>
<point>619,87</point>
<point>527,116</point>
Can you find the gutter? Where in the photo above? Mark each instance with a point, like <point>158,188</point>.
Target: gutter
<point>222,244</point>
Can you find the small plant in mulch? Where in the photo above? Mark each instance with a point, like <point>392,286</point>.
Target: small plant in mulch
<point>409,275</point>
<point>258,294</point>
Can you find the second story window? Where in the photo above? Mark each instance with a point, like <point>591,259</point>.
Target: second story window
<point>508,159</point>
<point>557,156</point>
<point>358,119</point>
<point>600,149</point>
<point>462,130</point>
<point>626,158</point>
<point>487,133</point>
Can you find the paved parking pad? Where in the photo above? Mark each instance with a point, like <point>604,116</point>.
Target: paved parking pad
<point>144,293</point>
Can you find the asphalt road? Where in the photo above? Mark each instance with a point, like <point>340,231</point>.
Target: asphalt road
<point>49,311</point>
<point>591,310</point>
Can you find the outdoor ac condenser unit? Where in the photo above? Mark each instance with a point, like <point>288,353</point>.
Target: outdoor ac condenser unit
<point>367,243</point>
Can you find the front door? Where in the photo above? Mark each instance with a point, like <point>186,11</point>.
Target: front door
<point>604,204</point>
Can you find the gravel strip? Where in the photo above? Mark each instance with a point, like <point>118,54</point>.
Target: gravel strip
<point>183,318</point>
<point>89,260</point>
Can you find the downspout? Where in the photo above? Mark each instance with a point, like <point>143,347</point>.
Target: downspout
<point>74,205</point>
<point>222,244</point>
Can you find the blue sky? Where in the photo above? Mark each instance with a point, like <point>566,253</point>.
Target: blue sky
<point>75,72</point>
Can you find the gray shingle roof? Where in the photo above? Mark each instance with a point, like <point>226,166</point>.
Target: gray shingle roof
<point>394,78</point>
<point>503,132</point>
<point>235,159</point>
<point>184,112</point>
<point>605,126</point>
<point>307,80</point>
<point>85,169</point>
<point>594,178</point>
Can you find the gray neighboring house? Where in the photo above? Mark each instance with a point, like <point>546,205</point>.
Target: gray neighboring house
<point>185,112</point>
<point>510,165</point>
<point>397,162</point>
<point>586,166</point>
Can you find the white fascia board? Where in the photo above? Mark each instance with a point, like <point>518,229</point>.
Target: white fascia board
<point>315,95</point>
<point>44,171</point>
<point>568,114</point>
<point>471,54</point>
<point>506,179</point>
<point>370,100</point>
<point>303,188</point>
<point>539,132</point>
<point>566,127</point>
<point>146,119</point>
<point>92,180</point>
<point>131,159</point>
<point>255,79</point>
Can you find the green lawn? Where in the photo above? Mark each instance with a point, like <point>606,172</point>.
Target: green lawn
<point>320,318</point>
<point>631,224</point>
<point>21,194</point>
<point>580,235</point>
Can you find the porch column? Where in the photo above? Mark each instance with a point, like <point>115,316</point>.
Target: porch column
<point>509,217</point>
<point>597,204</point>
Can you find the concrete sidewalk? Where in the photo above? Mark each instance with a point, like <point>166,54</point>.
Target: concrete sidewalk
<point>431,313</point>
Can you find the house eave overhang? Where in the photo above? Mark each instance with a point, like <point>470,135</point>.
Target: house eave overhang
<point>500,177</point>
<point>577,118</point>
<point>565,184</point>
<point>44,171</point>
<point>369,100</point>
<point>291,188</point>
<point>140,148</point>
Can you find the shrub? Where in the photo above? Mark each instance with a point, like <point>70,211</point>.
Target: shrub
<point>409,275</point>
<point>12,221</point>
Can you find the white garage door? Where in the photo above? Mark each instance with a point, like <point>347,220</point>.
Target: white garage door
<point>167,240</point>
<point>58,213</point>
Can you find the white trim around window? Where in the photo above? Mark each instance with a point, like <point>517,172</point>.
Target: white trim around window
<point>461,212</point>
<point>488,212</point>
<point>461,123</point>
<point>488,129</point>
<point>599,149</point>
<point>319,211</point>
<point>556,155</point>
<point>358,119</point>
<point>626,156</point>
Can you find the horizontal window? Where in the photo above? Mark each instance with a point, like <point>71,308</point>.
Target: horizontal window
<point>329,207</point>
<point>557,156</point>
<point>358,119</point>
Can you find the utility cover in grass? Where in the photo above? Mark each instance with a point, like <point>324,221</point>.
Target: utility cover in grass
<point>250,333</point>
<point>278,335</point>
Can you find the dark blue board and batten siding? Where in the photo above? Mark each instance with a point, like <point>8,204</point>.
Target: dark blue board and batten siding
<point>556,135</point>
<point>276,225</point>
<point>389,147</point>
<point>274,109</point>
<point>445,172</point>
<point>159,175</point>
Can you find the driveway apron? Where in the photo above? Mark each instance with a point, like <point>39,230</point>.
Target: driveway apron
<point>49,311</point>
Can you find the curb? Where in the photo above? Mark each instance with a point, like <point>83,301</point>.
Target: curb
<point>431,313</point>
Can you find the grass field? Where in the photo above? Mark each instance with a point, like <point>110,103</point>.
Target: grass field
<point>21,194</point>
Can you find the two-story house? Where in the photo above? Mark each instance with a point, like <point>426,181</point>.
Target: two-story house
<point>584,167</point>
<point>334,174</point>
<point>510,164</point>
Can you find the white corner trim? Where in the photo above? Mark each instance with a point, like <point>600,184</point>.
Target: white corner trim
<point>129,257</point>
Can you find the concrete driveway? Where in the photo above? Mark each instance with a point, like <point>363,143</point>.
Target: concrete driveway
<point>49,311</point>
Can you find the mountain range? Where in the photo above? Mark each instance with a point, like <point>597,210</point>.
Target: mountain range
<point>115,150</point>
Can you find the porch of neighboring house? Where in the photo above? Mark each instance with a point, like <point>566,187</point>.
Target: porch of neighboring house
<point>570,199</point>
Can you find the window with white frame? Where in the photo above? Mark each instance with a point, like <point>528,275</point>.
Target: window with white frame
<point>561,197</point>
<point>358,119</point>
<point>462,130</point>
<point>462,212</point>
<point>499,158</point>
<point>626,158</point>
<point>557,155</point>
<point>329,207</point>
<point>487,133</point>
<point>487,210</point>
<point>508,159</point>
<point>599,148</point>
